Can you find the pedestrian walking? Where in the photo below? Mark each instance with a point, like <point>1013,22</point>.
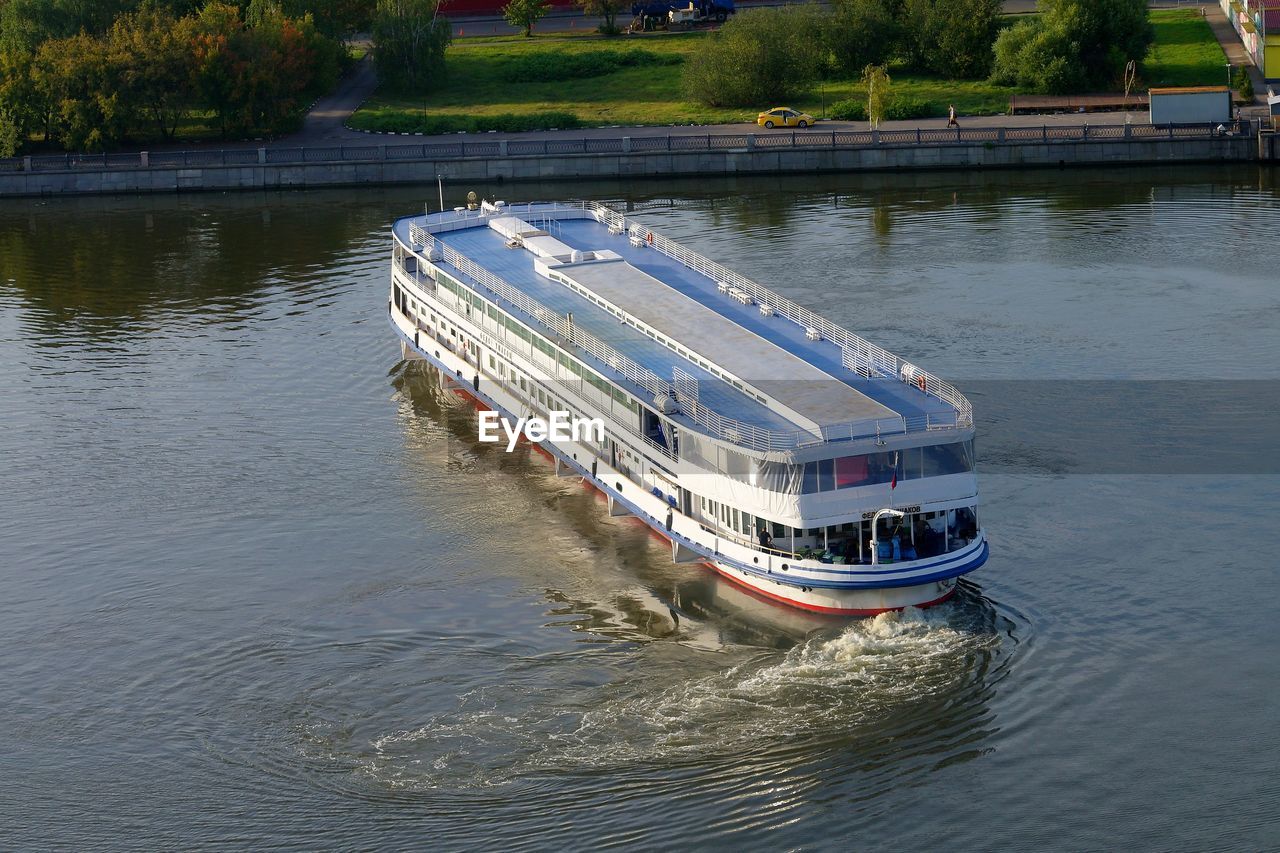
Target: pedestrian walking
<point>951,116</point>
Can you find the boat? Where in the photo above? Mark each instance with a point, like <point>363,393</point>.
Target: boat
<point>759,439</point>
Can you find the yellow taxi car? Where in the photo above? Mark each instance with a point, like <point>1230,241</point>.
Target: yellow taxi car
<point>784,117</point>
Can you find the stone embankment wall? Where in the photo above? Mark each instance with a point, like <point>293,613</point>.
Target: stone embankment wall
<point>142,177</point>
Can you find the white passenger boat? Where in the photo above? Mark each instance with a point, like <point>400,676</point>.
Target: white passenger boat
<point>762,440</point>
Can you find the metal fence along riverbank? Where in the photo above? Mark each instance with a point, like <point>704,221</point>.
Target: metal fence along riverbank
<point>558,156</point>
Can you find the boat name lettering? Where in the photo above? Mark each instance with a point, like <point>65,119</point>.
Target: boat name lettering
<point>867,516</point>
<point>559,427</point>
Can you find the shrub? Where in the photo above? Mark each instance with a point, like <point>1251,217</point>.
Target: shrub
<point>860,33</point>
<point>900,109</point>
<point>525,13</point>
<point>759,58</point>
<point>564,65</point>
<point>1243,83</point>
<point>850,110</point>
<point>963,32</point>
<point>1075,45</point>
<point>409,44</point>
<point>437,123</point>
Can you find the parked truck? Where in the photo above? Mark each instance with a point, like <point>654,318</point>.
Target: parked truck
<point>650,14</point>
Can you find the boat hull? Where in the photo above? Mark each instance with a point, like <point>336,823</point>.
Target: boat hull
<point>830,589</point>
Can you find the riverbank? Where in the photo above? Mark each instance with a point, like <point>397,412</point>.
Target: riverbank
<point>583,80</point>
<point>558,156</point>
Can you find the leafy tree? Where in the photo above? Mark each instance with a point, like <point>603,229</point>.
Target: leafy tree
<point>333,18</point>
<point>876,79</point>
<point>21,107</point>
<point>24,24</point>
<point>607,9</point>
<point>10,134</point>
<point>963,32</point>
<point>218,62</point>
<point>525,13</point>
<point>151,51</point>
<point>861,33</point>
<point>409,44</point>
<point>77,79</point>
<point>761,56</point>
<point>950,37</point>
<point>1073,46</point>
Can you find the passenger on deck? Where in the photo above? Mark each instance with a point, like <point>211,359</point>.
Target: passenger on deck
<point>766,540</point>
<point>850,552</point>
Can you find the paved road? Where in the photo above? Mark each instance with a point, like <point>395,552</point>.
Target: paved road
<point>324,124</point>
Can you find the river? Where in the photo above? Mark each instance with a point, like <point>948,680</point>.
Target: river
<point>261,587</point>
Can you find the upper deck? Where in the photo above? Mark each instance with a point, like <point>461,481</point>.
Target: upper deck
<point>746,364</point>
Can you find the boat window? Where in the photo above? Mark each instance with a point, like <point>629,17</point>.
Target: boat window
<point>942,459</point>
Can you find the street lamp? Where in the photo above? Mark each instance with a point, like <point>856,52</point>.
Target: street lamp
<point>440,189</point>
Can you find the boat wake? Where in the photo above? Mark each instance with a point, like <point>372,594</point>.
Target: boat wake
<point>879,679</point>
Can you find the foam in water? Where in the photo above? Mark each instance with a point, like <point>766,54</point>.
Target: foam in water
<point>867,677</point>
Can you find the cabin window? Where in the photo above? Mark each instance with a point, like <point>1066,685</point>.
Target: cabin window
<point>942,459</point>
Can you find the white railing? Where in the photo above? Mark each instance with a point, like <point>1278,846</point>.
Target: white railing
<point>856,353</point>
<point>719,426</point>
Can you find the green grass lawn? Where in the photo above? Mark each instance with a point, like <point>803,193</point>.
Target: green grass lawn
<point>485,89</point>
<point>481,87</point>
<point>1185,52</point>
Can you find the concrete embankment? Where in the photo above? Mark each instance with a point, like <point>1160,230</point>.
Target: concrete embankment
<point>495,161</point>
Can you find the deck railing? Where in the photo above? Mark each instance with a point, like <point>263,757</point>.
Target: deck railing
<point>732,430</point>
<point>557,146</point>
<point>856,353</point>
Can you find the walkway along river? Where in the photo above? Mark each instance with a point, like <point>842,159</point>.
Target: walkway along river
<point>596,156</point>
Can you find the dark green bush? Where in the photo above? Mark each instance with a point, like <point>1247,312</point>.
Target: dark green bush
<point>1073,45</point>
<point>563,65</point>
<point>457,122</point>
<point>850,110</point>
<point>900,109</point>
<point>861,33</point>
<point>760,58</point>
<point>1243,83</point>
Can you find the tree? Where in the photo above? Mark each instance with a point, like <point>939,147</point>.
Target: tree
<point>217,63</point>
<point>963,33</point>
<point>1073,46</point>
<point>950,37</point>
<point>21,107</point>
<point>876,79</point>
<point>861,33</point>
<point>77,79</point>
<point>760,57</point>
<point>607,9</point>
<point>151,49</point>
<point>409,44</point>
<point>525,13</point>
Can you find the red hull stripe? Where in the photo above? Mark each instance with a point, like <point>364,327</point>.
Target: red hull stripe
<point>817,608</point>
<point>462,391</point>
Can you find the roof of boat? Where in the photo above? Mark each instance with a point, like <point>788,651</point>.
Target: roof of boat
<point>804,382</point>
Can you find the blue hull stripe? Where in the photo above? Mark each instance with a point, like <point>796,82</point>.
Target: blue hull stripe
<point>950,568</point>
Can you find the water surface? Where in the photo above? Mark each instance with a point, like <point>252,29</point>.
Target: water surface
<point>262,588</point>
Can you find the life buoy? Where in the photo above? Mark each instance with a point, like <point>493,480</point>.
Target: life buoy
<point>649,238</point>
